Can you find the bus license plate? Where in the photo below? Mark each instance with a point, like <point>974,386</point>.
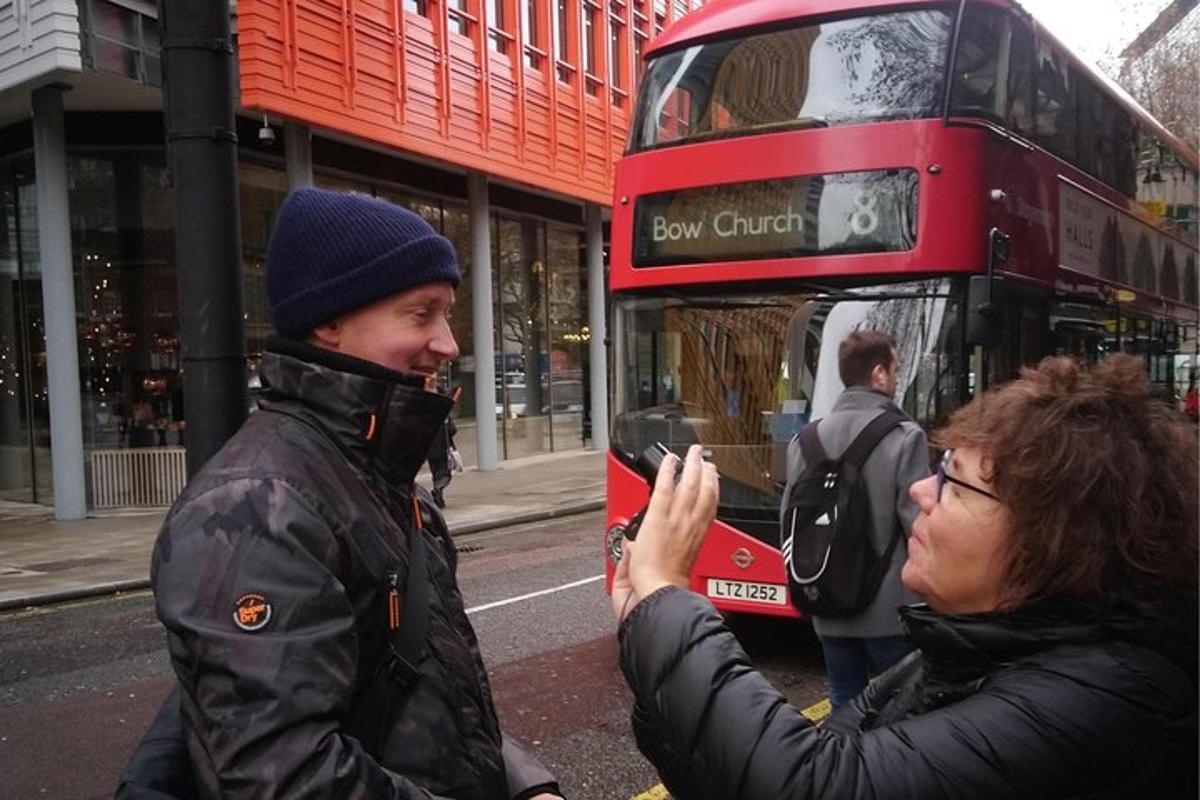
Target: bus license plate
<point>772,594</point>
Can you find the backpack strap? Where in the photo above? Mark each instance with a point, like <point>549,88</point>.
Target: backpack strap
<point>861,448</point>
<point>870,437</point>
<point>810,444</point>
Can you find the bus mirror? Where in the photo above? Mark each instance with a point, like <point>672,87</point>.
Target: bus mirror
<point>985,304</point>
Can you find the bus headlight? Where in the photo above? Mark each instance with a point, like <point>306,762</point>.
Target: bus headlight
<point>613,543</point>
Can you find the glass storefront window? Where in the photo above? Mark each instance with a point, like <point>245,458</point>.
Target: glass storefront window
<point>25,474</point>
<point>261,190</point>
<point>127,302</point>
<point>456,226</point>
<point>519,274</point>
<point>566,297</point>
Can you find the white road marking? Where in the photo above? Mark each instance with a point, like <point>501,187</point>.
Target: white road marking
<point>532,595</point>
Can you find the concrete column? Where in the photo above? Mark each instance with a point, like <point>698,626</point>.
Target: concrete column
<point>297,149</point>
<point>58,302</point>
<point>597,329</point>
<point>481,310</point>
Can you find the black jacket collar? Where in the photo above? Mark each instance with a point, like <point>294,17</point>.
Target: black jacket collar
<point>959,647</point>
<point>385,420</point>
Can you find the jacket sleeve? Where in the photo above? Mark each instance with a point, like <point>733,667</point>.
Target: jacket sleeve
<point>525,774</point>
<point>911,466</point>
<point>262,707</point>
<point>716,729</point>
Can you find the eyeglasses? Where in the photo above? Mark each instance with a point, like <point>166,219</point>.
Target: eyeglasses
<point>943,478</point>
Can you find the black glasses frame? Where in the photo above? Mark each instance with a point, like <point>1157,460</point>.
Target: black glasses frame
<point>943,478</point>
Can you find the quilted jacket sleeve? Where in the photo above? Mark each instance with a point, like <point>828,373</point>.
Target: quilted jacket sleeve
<point>262,706</point>
<point>715,728</point>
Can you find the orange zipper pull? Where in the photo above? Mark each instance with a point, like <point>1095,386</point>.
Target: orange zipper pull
<point>393,601</point>
<point>417,514</point>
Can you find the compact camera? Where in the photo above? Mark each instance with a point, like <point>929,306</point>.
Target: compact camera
<point>650,460</point>
<point>647,465</point>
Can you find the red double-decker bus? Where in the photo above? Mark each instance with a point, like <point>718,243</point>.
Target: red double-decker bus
<point>946,172</point>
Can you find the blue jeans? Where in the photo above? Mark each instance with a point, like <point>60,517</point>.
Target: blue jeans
<point>850,661</point>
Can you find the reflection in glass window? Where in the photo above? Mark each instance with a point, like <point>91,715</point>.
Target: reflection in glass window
<point>499,25</point>
<point>844,72</point>
<point>25,474</point>
<point>1055,102</point>
<point>1019,115</point>
<point>531,30</point>
<point>589,38</point>
<point>980,81</point>
<point>261,190</point>
<point>128,310</point>
<point>740,374</point>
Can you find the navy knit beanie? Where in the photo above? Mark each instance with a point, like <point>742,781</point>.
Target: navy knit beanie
<point>332,253</point>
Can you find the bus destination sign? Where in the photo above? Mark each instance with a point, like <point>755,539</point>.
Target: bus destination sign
<point>848,212</point>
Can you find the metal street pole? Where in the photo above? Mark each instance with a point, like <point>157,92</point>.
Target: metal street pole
<point>197,55</point>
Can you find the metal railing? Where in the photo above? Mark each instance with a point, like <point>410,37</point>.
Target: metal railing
<point>144,477</point>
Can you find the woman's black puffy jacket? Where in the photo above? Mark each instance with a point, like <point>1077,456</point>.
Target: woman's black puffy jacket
<point>1054,700</point>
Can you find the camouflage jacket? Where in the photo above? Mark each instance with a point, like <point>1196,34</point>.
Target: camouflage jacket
<point>271,575</point>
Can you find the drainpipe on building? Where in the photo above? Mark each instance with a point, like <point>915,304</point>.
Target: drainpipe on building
<point>198,108</point>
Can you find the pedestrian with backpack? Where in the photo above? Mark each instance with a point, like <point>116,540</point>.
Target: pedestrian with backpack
<point>306,581</point>
<point>846,515</point>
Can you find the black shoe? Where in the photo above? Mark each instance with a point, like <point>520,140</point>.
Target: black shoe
<point>438,499</point>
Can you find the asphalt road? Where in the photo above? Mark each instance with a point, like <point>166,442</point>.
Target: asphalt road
<point>79,682</point>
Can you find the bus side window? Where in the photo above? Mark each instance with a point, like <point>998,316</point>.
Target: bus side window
<point>983,51</point>
<point>1020,112</point>
<point>1055,103</point>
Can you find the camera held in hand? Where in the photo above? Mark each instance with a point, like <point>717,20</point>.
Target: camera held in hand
<point>647,465</point>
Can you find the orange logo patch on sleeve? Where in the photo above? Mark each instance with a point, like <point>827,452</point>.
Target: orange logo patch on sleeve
<point>251,612</point>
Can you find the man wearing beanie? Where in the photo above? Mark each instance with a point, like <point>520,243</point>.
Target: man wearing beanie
<point>306,582</point>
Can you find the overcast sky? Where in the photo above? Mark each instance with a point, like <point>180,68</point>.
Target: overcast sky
<point>1096,29</point>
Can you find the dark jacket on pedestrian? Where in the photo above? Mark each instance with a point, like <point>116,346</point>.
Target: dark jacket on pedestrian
<point>298,525</point>
<point>899,460</point>
<point>439,454</point>
<point>1053,700</point>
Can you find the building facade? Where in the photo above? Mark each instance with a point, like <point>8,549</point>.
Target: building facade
<point>499,121</point>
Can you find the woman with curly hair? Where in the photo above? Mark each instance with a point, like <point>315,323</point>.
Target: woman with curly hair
<point>1056,551</point>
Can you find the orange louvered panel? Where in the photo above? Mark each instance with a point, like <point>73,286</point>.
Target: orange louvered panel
<point>459,83</point>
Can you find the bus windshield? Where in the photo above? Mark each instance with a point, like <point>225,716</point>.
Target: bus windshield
<point>740,373</point>
<point>840,72</point>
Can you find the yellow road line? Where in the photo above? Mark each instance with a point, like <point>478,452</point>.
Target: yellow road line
<point>657,792</point>
<point>815,713</point>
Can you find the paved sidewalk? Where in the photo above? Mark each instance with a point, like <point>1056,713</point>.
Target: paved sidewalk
<point>43,560</point>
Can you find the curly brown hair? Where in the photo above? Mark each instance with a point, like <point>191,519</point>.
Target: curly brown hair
<point>1099,478</point>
